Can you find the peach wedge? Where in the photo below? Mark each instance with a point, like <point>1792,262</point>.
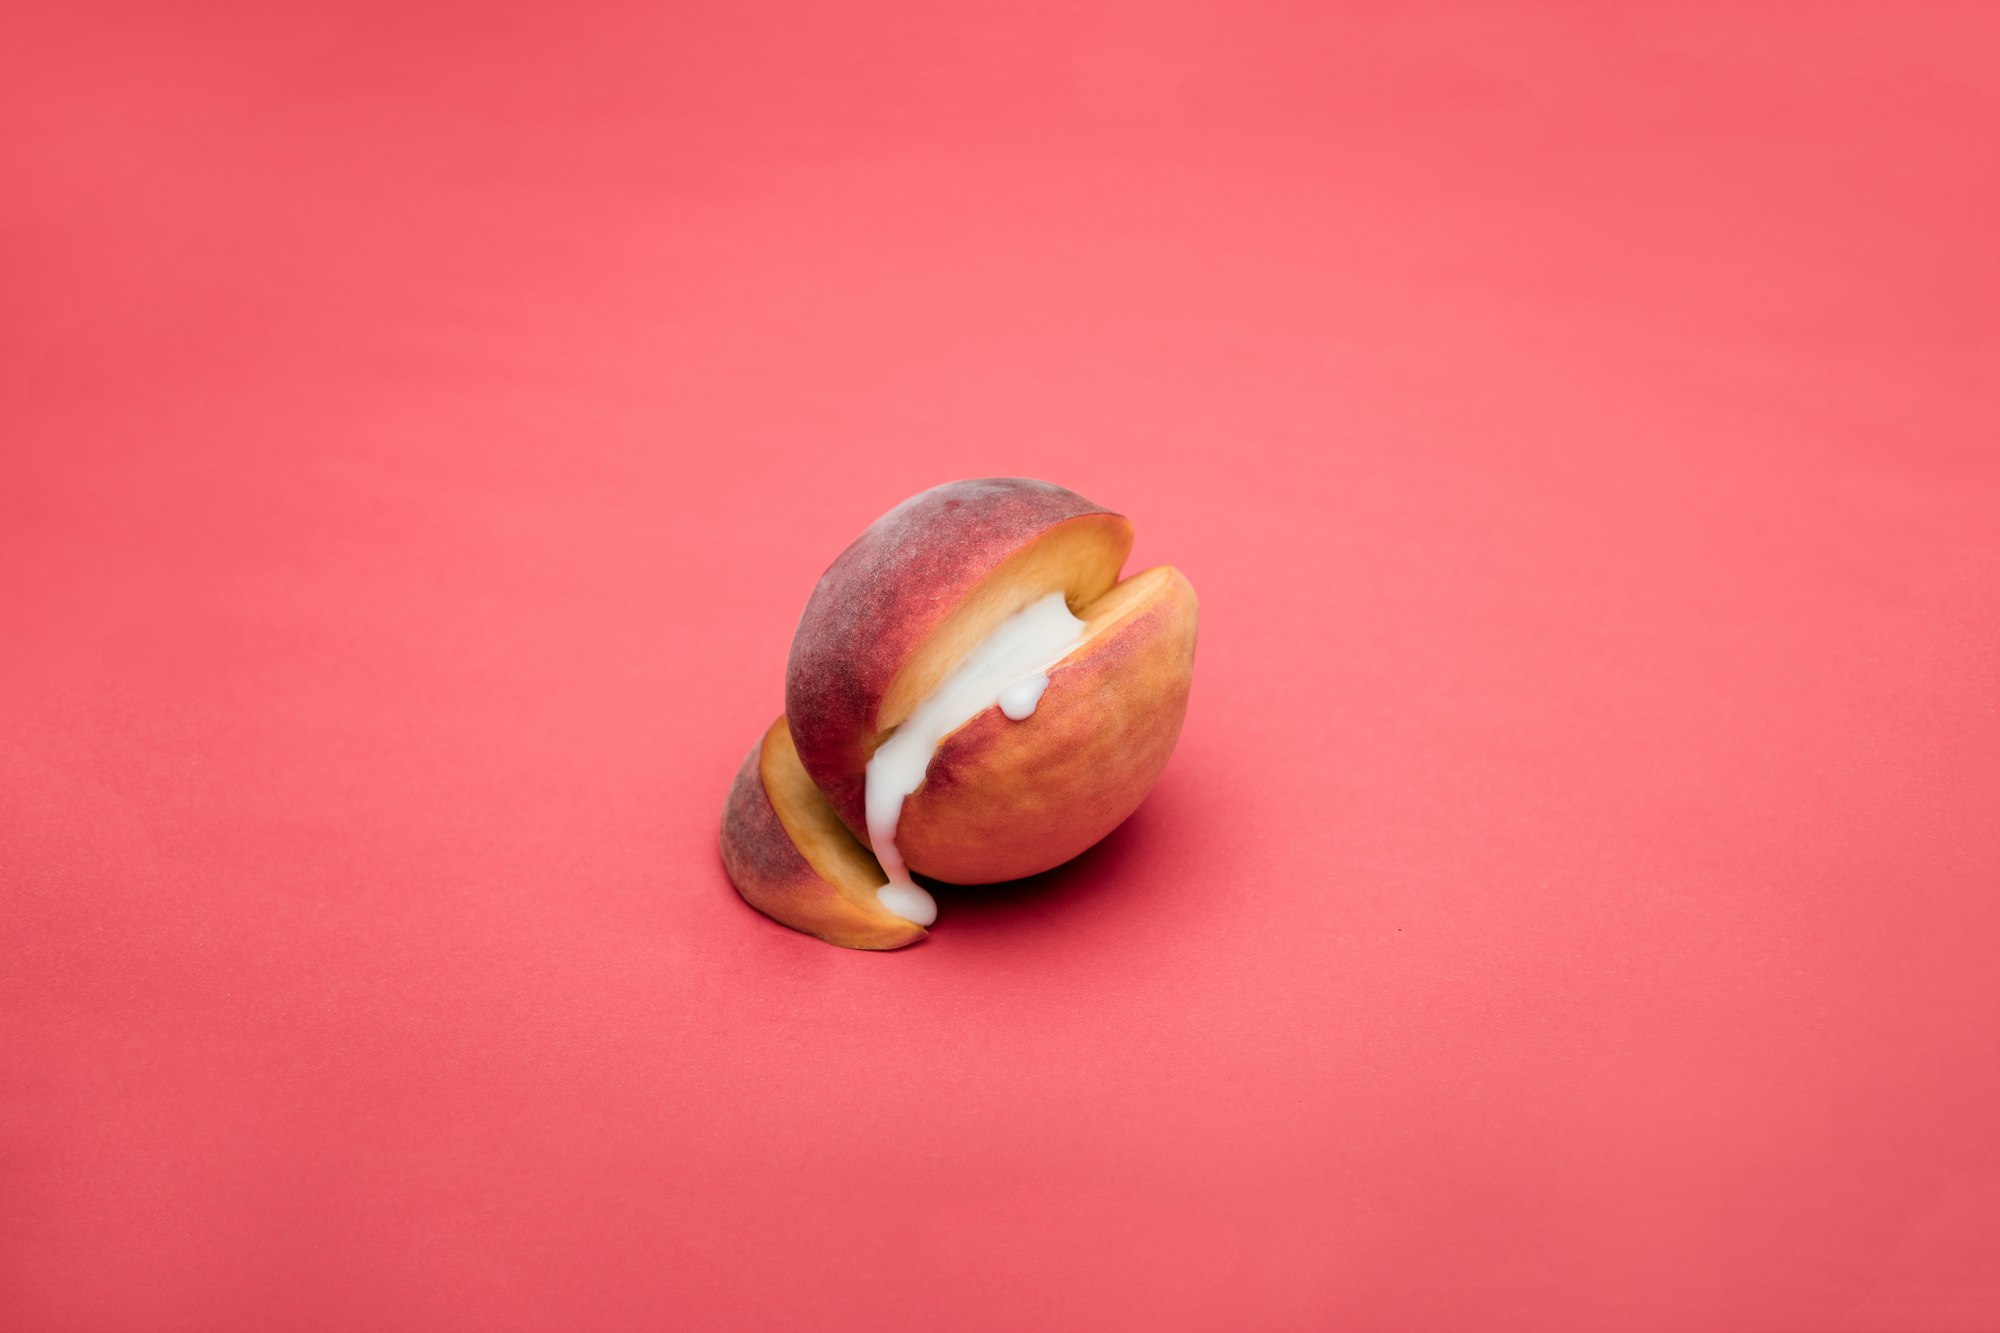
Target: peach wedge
<point>792,859</point>
<point>905,604</point>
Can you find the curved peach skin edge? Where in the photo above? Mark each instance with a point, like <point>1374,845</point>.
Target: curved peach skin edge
<point>904,602</point>
<point>790,857</point>
<point>1004,799</point>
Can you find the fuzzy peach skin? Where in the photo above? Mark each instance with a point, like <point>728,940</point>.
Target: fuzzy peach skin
<point>899,609</point>
<point>792,860</point>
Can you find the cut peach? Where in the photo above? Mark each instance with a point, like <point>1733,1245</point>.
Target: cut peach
<point>791,858</point>
<point>1004,799</point>
<point>906,603</point>
<point>903,603</point>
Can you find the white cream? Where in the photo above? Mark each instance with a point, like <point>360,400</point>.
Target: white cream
<point>1009,667</point>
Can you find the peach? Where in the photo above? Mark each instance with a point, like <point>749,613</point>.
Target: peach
<point>793,860</point>
<point>1004,799</point>
<point>904,604</point>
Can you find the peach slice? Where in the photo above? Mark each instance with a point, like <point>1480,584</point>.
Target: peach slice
<point>792,859</point>
<point>1004,799</point>
<point>903,605</point>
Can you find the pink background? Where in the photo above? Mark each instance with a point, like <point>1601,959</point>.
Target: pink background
<point>1576,898</point>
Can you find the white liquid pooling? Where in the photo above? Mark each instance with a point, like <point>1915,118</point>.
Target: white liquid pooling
<point>1009,667</point>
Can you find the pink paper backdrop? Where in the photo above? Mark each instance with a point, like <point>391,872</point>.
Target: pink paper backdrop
<point>1576,898</point>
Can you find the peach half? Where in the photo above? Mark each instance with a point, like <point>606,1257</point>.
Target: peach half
<point>913,597</point>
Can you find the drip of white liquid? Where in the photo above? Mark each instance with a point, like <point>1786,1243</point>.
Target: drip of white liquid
<point>1009,667</point>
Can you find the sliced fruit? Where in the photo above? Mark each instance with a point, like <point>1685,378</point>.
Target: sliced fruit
<point>1003,799</point>
<point>902,605</point>
<point>792,859</point>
